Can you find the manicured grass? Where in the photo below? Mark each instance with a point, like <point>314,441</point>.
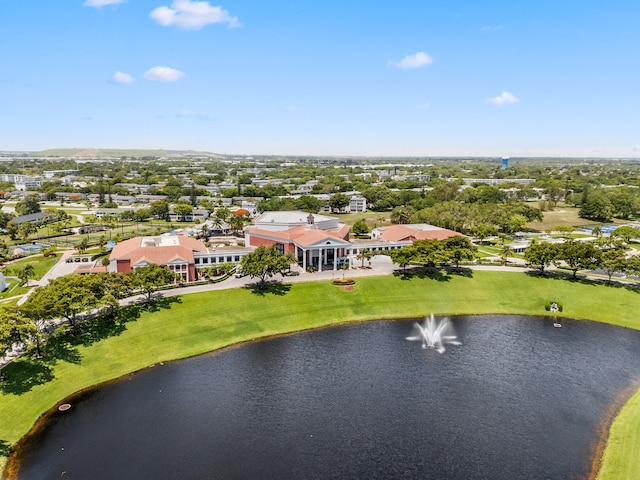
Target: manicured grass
<point>41,265</point>
<point>621,459</point>
<point>198,323</point>
<point>563,215</point>
<point>14,289</point>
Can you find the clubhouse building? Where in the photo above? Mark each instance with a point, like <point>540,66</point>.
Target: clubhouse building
<point>317,242</point>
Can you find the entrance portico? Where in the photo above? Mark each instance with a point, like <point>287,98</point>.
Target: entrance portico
<point>329,252</point>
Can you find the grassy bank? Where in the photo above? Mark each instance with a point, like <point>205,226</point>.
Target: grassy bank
<point>198,323</point>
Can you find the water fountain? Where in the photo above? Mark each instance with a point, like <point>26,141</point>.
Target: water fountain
<point>435,334</point>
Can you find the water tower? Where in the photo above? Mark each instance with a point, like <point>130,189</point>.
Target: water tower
<point>505,163</point>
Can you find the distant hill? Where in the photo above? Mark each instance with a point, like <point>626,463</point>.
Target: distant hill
<point>118,153</point>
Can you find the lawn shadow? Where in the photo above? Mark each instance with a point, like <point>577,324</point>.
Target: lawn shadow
<point>25,373</point>
<point>28,371</point>
<point>460,271</point>
<point>5,448</point>
<point>274,288</point>
<point>422,273</point>
<point>581,279</point>
<point>161,303</point>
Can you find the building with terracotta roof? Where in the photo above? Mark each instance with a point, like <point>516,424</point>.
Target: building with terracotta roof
<point>412,232</point>
<point>315,240</point>
<point>181,254</point>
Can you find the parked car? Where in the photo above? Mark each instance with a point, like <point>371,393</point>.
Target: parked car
<point>239,274</point>
<point>292,273</point>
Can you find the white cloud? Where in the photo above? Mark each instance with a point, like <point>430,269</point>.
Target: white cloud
<point>417,60</point>
<point>121,78</point>
<point>190,114</point>
<point>188,14</point>
<point>101,3</point>
<point>290,108</point>
<point>424,105</point>
<point>163,74</point>
<point>503,99</point>
<point>636,148</point>
<point>491,27</point>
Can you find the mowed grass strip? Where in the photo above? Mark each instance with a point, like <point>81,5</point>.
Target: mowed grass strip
<point>621,459</point>
<point>203,322</point>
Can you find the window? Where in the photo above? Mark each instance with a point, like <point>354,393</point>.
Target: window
<point>280,248</point>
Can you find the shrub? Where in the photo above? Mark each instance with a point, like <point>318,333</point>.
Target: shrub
<point>548,303</point>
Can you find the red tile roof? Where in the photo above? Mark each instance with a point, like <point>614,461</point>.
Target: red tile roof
<point>161,251</point>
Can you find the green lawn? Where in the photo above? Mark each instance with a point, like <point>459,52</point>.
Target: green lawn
<point>41,265</point>
<point>13,289</point>
<point>198,323</point>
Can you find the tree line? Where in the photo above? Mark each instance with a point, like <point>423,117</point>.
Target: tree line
<point>607,254</point>
<point>68,296</point>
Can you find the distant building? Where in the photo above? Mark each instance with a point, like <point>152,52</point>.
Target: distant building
<point>357,204</point>
<point>25,182</point>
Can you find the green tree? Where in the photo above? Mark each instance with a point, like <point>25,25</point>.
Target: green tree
<point>26,229</point>
<point>505,253</point>
<point>67,296</point>
<point>578,255</point>
<point>36,313</point>
<point>28,205</point>
<point>264,262</point>
<point>25,272</point>
<point>236,222</point>
<point>338,202</point>
<point>401,257</point>
<point>360,227</point>
<point>14,328</point>
<point>83,245</point>
<point>402,215</point>
<point>149,279</point>
<point>364,254</point>
<point>596,205</point>
<point>541,255</point>
<point>221,216</point>
<point>12,230</point>
<point>458,248</point>
<point>309,204</point>
<point>483,231</point>
<point>626,233</point>
<point>182,210</point>
<point>160,208</point>
<point>4,219</point>
<point>613,261</point>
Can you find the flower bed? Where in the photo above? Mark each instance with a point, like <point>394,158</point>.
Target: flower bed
<point>344,281</point>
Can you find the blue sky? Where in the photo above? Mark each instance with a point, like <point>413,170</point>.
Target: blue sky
<point>421,78</point>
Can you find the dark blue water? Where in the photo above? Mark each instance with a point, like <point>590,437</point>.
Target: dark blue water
<point>519,399</point>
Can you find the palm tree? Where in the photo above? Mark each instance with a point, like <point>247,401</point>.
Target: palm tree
<point>363,255</point>
<point>505,252</point>
<point>26,272</point>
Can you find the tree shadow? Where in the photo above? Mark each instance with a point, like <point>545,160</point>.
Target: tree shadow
<point>5,448</point>
<point>568,277</point>
<point>460,271</point>
<point>28,371</point>
<point>23,374</point>
<point>160,303</point>
<point>423,273</point>
<point>273,288</point>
